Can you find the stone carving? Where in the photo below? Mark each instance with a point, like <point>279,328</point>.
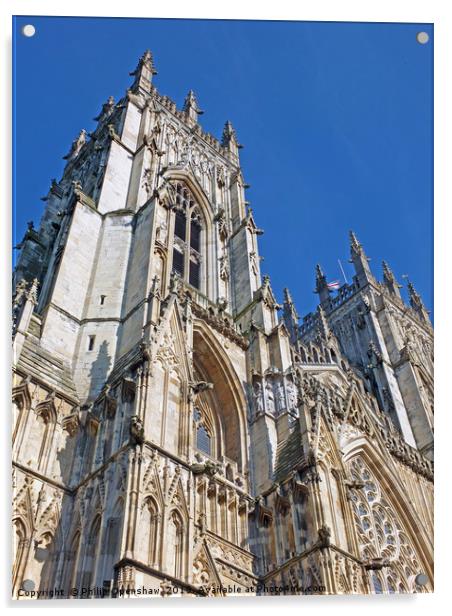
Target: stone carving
<point>324,536</point>
<point>220,219</point>
<point>292,396</point>
<point>136,430</point>
<point>224,268</point>
<point>280,397</point>
<point>198,387</point>
<point>258,398</point>
<point>76,146</point>
<point>191,502</point>
<point>269,398</point>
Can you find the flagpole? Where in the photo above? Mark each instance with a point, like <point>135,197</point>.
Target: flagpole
<point>342,270</point>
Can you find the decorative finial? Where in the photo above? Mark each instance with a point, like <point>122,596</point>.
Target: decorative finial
<point>321,285</point>
<point>287,296</point>
<point>320,279</point>
<point>390,280</point>
<point>354,243</point>
<point>76,146</point>
<point>191,103</point>
<point>143,73</point>
<point>416,301</point>
<point>387,273</point>
<point>106,110</point>
<point>415,298</point>
<point>229,136</point>
<point>146,61</point>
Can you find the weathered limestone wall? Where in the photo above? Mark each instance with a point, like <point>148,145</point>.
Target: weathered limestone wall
<point>116,181</point>
<point>138,281</point>
<point>67,301</point>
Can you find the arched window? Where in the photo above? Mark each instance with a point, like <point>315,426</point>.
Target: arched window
<point>91,554</point>
<point>110,548</point>
<point>20,552</point>
<point>175,542</point>
<point>47,416</point>
<point>376,583</point>
<point>203,434</point>
<point>381,534</point>
<point>153,532</point>
<point>391,586</point>
<point>70,570</point>
<point>187,237</point>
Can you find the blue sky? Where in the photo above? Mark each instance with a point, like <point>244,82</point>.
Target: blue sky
<point>336,120</point>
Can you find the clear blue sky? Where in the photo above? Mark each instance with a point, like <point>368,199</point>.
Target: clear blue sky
<point>336,120</point>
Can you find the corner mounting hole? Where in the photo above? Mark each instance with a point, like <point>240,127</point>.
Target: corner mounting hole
<point>422,38</point>
<point>28,30</point>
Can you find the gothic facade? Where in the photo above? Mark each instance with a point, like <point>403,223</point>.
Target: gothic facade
<point>176,430</point>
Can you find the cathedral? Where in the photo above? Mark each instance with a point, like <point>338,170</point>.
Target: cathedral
<point>178,431</point>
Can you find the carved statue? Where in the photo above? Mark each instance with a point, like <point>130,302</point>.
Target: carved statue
<point>174,282</point>
<point>280,397</point>
<point>258,399</point>
<point>224,268</point>
<point>136,430</point>
<point>324,536</point>
<point>220,177</point>
<point>292,396</point>
<point>197,388</point>
<point>253,262</point>
<point>220,219</point>
<point>147,182</point>
<point>270,398</point>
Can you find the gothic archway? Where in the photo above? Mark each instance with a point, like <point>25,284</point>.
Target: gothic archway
<point>226,400</point>
<point>386,526</point>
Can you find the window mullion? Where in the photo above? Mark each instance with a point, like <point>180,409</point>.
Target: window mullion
<point>187,244</point>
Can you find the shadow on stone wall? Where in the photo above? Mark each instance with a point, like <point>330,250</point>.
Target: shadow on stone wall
<point>99,371</point>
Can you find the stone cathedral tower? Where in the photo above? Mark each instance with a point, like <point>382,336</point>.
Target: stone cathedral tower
<point>171,433</point>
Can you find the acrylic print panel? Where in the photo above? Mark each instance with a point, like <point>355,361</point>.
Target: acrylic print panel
<point>179,427</point>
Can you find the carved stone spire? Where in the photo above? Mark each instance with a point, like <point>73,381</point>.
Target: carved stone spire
<point>390,280</point>
<point>290,316</point>
<point>321,286</point>
<point>359,260</point>
<point>288,298</point>
<point>229,139</point>
<point>416,303</point>
<point>191,107</point>
<point>143,73</point>
<point>322,324</point>
<point>355,246</point>
<point>76,146</point>
<point>106,110</point>
<point>32,294</point>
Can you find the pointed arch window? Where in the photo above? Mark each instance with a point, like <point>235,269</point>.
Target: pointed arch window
<point>203,434</point>
<point>376,583</point>
<point>70,568</point>
<point>111,544</point>
<point>154,521</point>
<point>188,229</point>
<point>176,541</point>
<point>47,415</point>
<point>20,552</point>
<point>381,533</point>
<point>90,559</point>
